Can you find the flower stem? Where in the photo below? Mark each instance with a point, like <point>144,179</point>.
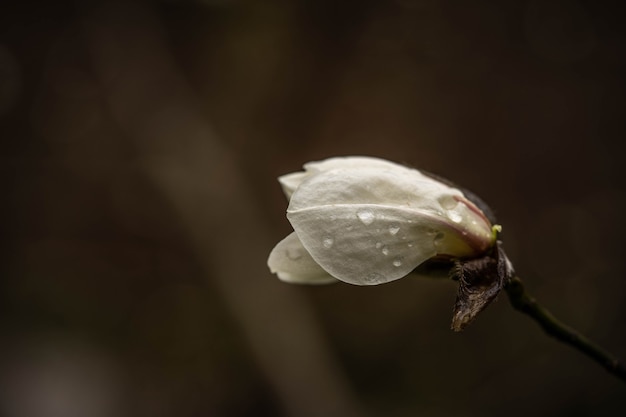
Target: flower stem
<point>523,302</point>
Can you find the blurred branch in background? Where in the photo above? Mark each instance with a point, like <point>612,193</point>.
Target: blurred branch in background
<point>202,179</point>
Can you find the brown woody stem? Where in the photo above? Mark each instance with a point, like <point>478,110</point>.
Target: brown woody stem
<point>523,302</point>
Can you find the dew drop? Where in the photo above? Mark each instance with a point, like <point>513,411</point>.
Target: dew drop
<point>294,254</point>
<point>448,202</point>
<point>379,245</point>
<point>397,262</point>
<point>394,229</point>
<point>374,278</point>
<point>366,216</point>
<point>410,244</point>
<point>328,242</point>
<point>455,216</point>
<point>438,240</point>
<point>385,250</point>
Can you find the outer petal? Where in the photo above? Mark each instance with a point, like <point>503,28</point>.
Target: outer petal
<point>349,220</point>
<point>349,162</point>
<point>290,182</point>
<point>292,263</point>
<point>366,244</point>
<point>393,185</point>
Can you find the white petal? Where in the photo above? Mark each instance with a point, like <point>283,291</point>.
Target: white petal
<point>292,263</point>
<point>350,162</point>
<point>366,244</point>
<point>290,182</point>
<point>392,185</point>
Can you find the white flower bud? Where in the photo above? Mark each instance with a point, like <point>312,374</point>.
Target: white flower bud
<point>367,221</point>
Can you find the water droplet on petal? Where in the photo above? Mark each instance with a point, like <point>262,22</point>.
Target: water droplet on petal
<point>410,244</point>
<point>378,245</point>
<point>455,216</point>
<point>438,239</point>
<point>385,250</point>
<point>374,278</point>
<point>448,202</point>
<point>397,262</point>
<point>328,242</point>
<point>294,254</point>
<point>394,229</point>
<point>366,216</point>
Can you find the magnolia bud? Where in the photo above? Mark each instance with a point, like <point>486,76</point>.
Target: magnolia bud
<point>367,221</point>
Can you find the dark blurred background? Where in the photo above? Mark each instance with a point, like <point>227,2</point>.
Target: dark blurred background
<point>140,145</point>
